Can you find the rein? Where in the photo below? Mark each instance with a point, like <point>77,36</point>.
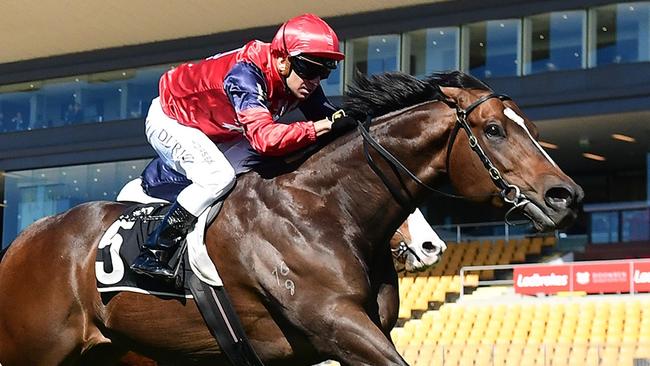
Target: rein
<point>510,193</point>
<point>396,166</point>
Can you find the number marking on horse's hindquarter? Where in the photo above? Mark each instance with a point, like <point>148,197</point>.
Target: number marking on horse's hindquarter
<point>283,271</point>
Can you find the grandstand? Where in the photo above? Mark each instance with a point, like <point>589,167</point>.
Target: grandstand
<point>495,326</point>
<point>420,291</point>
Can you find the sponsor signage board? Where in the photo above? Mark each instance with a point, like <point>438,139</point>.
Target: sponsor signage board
<point>603,277</point>
<point>641,276</point>
<point>542,279</point>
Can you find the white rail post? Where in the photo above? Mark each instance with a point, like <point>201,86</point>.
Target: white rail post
<point>462,282</point>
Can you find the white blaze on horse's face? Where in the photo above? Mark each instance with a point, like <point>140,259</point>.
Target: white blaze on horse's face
<point>426,245</point>
<point>520,121</point>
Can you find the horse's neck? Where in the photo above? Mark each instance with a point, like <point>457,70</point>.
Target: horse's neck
<point>341,174</point>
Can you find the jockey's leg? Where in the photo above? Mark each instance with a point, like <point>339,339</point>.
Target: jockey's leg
<point>161,244</point>
<point>190,152</point>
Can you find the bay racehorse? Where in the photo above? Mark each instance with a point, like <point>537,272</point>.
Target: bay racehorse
<point>327,223</point>
<point>415,245</point>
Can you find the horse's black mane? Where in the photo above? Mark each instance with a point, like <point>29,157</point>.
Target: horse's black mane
<point>379,94</point>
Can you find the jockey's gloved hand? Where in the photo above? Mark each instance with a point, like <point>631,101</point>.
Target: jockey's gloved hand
<point>341,122</point>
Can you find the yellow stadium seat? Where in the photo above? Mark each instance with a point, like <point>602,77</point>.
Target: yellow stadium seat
<point>410,354</point>
<point>562,332</point>
<point>642,350</point>
<point>550,241</point>
<point>404,312</point>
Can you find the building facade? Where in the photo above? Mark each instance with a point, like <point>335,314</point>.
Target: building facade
<point>71,126</point>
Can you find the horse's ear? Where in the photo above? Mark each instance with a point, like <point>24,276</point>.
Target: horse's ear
<point>455,94</point>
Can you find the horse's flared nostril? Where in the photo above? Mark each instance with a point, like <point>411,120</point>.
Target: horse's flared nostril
<point>428,247</point>
<point>560,197</point>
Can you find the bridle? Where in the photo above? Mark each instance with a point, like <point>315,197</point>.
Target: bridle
<point>403,248</point>
<point>402,251</point>
<point>510,193</point>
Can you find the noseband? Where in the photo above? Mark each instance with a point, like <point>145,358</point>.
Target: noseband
<point>403,249</point>
<point>510,193</point>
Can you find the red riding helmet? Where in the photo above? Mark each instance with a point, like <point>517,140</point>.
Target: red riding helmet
<point>307,34</point>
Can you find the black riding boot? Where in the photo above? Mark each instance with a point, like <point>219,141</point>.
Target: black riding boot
<point>161,244</point>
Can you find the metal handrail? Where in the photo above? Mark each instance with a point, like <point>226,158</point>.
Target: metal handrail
<point>480,224</point>
<point>458,227</point>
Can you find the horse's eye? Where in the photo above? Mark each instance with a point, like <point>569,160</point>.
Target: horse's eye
<point>493,130</point>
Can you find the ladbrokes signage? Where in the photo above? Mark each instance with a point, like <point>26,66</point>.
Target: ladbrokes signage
<point>641,276</point>
<point>542,279</point>
<point>600,277</point>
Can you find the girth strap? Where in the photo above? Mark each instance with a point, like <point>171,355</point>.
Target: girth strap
<point>223,323</point>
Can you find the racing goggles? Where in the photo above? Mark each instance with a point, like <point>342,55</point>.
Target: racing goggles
<point>310,68</point>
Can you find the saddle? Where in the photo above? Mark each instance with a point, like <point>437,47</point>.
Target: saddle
<point>121,243</point>
<point>197,277</point>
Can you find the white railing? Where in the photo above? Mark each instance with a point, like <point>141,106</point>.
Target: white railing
<point>484,230</point>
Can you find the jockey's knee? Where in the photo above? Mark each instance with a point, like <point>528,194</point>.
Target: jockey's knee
<point>204,192</point>
<point>218,181</point>
<point>216,190</point>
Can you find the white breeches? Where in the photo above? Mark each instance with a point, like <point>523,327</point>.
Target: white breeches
<point>190,152</point>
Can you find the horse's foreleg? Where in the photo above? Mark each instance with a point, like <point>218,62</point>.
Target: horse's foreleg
<point>384,284</point>
<point>352,338</point>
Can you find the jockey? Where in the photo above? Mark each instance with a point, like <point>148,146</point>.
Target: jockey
<point>227,97</point>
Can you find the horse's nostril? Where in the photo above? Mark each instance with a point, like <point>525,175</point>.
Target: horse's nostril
<point>559,197</point>
<point>427,245</point>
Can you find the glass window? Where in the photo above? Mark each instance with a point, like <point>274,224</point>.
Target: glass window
<point>372,55</point>
<point>141,88</point>
<point>429,50</point>
<point>620,33</point>
<point>98,102</point>
<point>555,41</point>
<point>106,96</point>
<point>32,194</point>
<point>492,48</point>
<point>604,227</point>
<point>333,85</point>
<point>636,225</point>
<point>58,103</point>
<point>15,111</point>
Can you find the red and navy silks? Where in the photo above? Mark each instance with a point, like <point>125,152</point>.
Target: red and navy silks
<point>239,92</point>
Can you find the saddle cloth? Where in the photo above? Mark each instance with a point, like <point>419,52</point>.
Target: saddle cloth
<point>120,245</point>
